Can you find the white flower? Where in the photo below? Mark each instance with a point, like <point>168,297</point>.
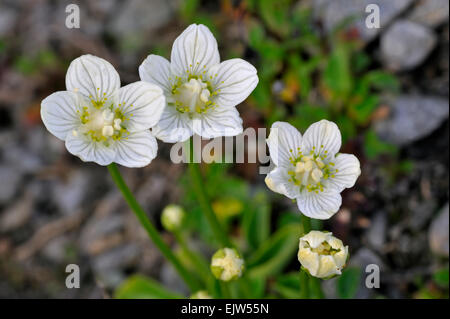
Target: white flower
<point>322,254</point>
<point>227,264</point>
<point>172,217</point>
<point>309,168</point>
<point>201,92</point>
<point>100,121</point>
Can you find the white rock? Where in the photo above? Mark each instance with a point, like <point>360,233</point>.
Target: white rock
<point>438,234</point>
<point>412,118</point>
<point>406,44</point>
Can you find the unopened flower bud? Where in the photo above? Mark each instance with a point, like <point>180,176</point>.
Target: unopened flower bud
<point>227,264</point>
<point>322,254</point>
<point>172,217</point>
<point>201,294</point>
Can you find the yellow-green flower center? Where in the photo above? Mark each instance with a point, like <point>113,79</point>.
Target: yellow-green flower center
<point>192,96</point>
<point>324,249</point>
<point>310,170</point>
<point>101,124</point>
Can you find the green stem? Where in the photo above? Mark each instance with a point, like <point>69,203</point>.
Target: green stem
<point>202,197</point>
<point>199,263</point>
<point>150,228</point>
<point>316,287</point>
<point>304,285</point>
<point>310,282</point>
<point>225,288</point>
<point>306,222</point>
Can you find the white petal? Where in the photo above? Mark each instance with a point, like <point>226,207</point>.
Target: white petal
<point>218,122</point>
<point>93,77</point>
<point>324,136</point>
<point>194,50</point>
<point>278,181</point>
<point>137,150</point>
<point>90,151</point>
<point>283,141</point>
<point>142,103</point>
<point>59,113</point>
<point>173,126</point>
<point>155,69</point>
<point>315,238</point>
<point>233,80</point>
<point>321,205</point>
<point>348,171</point>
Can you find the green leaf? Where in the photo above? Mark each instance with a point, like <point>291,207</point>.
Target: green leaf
<point>347,128</point>
<point>337,76</point>
<point>441,277</point>
<point>363,110</point>
<point>276,15</point>
<point>348,282</point>
<point>288,285</point>
<point>374,147</point>
<point>381,80</point>
<point>140,287</point>
<point>256,220</point>
<point>188,9</point>
<point>275,253</point>
<point>306,114</point>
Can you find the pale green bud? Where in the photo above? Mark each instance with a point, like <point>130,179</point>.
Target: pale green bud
<point>172,217</point>
<point>201,294</point>
<point>227,264</point>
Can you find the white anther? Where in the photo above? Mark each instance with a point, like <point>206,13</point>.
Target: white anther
<point>107,131</point>
<point>316,175</point>
<point>117,124</point>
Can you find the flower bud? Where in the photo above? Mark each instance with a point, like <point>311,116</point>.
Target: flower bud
<point>172,217</point>
<point>322,254</point>
<point>201,294</point>
<point>227,264</point>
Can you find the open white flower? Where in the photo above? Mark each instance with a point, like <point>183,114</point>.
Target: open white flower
<point>100,121</point>
<point>309,168</point>
<point>201,92</point>
<point>322,254</point>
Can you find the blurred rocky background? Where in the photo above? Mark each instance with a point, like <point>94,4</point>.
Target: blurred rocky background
<point>56,210</point>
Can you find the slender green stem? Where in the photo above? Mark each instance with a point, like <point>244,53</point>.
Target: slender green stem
<point>316,287</point>
<point>310,282</point>
<point>306,222</point>
<point>150,228</point>
<point>226,291</point>
<point>203,200</point>
<point>304,285</point>
<point>304,277</point>
<point>199,263</point>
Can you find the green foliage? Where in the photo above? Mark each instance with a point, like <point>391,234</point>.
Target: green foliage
<point>348,282</point>
<point>304,77</point>
<point>32,64</point>
<point>140,287</point>
<point>441,277</point>
<point>374,146</point>
<point>278,250</point>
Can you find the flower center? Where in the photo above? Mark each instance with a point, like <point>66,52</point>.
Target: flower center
<point>192,96</point>
<point>324,249</point>
<point>310,170</point>
<point>101,124</point>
